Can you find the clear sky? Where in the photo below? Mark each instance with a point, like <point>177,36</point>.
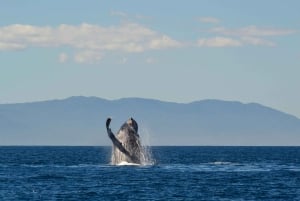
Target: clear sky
<point>179,51</point>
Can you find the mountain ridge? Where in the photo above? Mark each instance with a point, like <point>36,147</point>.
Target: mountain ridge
<point>79,120</point>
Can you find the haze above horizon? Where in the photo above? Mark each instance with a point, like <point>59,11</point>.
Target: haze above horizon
<point>171,51</point>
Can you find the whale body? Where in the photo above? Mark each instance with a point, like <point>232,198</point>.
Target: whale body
<point>126,144</point>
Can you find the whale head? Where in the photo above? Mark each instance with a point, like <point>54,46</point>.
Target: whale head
<point>130,126</point>
<point>132,123</point>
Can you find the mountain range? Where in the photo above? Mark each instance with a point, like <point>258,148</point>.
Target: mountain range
<point>81,121</point>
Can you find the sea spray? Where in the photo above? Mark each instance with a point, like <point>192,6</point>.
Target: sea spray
<point>146,152</point>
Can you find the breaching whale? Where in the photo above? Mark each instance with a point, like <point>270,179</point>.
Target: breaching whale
<point>126,144</point>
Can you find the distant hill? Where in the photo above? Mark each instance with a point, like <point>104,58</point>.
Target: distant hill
<point>81,121</point>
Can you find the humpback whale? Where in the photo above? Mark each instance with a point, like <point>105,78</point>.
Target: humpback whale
<point>126,144</point>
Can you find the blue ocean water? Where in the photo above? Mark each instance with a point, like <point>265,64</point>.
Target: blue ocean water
<point>179,173</point>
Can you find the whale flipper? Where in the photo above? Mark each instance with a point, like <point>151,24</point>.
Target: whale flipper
<point>113,138</point>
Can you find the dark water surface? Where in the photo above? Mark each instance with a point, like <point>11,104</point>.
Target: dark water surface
<point>179,173</point>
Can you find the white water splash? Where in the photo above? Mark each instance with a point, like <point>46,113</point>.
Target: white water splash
<point>125,163</point>
<point>146,153</point>
<point>146,156</point>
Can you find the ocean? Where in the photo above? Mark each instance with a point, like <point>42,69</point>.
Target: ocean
<point>177,173</point>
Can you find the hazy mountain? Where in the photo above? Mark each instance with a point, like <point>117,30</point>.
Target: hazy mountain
<point>81,121</point>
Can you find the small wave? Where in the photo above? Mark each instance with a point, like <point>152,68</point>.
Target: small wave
<point>48,177</point>
<point>3,165</point>
<point>216,167</point>
<point>33,166</point>
<point>65,166</point>
<point>295,169</point>
<point>221,163</point>
<point>86,166</point>
<point>183,168</point>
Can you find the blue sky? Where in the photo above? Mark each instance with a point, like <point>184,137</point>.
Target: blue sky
<point>179,51</point>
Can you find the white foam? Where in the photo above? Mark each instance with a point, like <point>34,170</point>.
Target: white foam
<point>123,163</point>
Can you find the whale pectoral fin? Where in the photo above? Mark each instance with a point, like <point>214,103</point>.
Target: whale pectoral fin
<point>108,120</point>
<point>109,132</point>
<point>114,140</point>
<point>119,145</point>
